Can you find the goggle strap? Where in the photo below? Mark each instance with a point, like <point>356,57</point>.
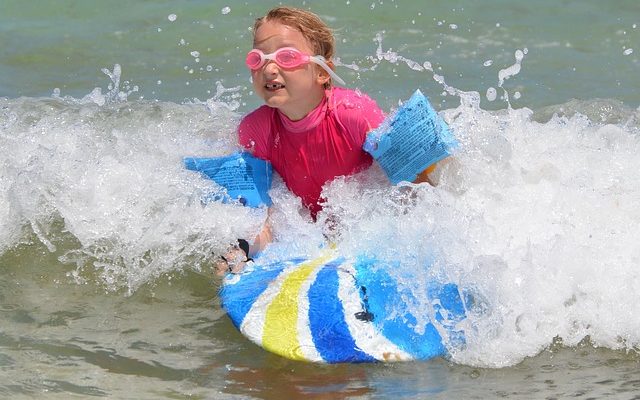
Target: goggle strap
<point>320,61</point>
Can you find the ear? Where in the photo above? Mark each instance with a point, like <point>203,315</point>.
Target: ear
<point>323,76</point>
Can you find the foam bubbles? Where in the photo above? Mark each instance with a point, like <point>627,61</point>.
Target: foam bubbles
<point>538,220</point>
<point>172,17</point>
<point>512,70</point>
<point>536,216</point>
<point>491,94</point>
<point>102,185</point>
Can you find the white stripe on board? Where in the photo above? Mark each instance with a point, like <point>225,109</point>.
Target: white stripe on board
<point>367,337</point>
<point>253,324</point>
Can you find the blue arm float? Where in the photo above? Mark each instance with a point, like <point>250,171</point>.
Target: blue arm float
<point>411,140</point>
<point>245,177</point>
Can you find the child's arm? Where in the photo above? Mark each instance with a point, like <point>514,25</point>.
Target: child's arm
<point>424,175</point>
<point>261,240</point>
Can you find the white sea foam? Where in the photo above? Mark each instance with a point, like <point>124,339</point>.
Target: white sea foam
<point>536,215</point>
<point>102,184</point>
<point>539,220</point>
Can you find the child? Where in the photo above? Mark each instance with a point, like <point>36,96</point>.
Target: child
<point>310,130</point>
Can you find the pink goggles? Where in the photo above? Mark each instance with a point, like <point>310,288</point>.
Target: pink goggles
<point>288,58</point>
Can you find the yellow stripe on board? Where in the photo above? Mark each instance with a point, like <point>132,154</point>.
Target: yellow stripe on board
<point>280,333</point>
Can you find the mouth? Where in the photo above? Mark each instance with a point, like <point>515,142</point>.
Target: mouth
<point>274,86</point>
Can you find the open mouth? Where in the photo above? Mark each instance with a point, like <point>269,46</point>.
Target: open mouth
<point>274,86</point>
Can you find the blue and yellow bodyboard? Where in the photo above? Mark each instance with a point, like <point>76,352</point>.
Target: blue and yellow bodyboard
<point>333,309</point>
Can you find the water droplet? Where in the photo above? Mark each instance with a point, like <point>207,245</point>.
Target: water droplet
<point>226,10</point>
<point>488,63</point>
<point>627,52</point>
<point>491,94</point>
<point>172,17</point>
<point>453,26</point>
<point>195,54</point>
<point>517,95</point>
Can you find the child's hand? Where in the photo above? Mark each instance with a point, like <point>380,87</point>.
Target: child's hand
<point>234,261</point>
<point>239,255</point>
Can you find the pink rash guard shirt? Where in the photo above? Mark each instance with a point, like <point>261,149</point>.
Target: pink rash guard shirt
<point>325,144</point>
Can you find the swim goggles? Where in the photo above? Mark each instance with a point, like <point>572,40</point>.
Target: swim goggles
<point>288,58</point>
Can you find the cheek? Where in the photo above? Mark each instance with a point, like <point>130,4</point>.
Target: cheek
<point>303,78</point>
<point>256,79</point>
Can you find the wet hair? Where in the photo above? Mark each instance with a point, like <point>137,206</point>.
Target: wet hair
<point>317,33</point>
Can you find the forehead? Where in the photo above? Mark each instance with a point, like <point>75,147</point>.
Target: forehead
<point>272,35</point>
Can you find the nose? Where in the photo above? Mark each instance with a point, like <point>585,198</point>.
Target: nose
<point>270,68</point>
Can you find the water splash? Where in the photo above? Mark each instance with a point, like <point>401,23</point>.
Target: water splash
<point>523,217</point>
<point>115,93</point>
<point>538,215</point>
<point>101,184</point>
<point>383,55</point>
<point>505,74</point>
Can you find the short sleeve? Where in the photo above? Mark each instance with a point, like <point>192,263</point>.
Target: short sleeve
<point>357,112</point>
<point>254,132</point>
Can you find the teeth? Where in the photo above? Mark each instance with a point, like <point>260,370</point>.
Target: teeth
<point>273,86</point>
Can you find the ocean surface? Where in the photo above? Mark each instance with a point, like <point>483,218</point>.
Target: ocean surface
<point>106,280</point>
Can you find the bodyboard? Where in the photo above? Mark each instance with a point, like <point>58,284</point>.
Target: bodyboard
<point>333,309</point>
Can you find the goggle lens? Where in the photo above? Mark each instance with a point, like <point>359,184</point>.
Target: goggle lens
<point>254,59</point>
<point>288,58</point>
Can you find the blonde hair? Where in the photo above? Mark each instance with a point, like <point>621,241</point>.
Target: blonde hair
<point>317,33</point>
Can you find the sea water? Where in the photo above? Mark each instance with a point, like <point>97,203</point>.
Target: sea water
<point>107,287</point>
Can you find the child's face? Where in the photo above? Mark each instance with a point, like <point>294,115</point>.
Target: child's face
<point>295,92</point>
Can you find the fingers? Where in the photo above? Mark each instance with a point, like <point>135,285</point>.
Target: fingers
<point>233,262</point>
<point>221,266</point>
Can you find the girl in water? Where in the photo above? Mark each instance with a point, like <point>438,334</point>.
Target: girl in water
<point>309,129</point>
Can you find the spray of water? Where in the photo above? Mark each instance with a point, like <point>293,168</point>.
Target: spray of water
<point>536,215</point>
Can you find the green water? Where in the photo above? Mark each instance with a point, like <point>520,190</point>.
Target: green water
<point>171,340</point>
<point>575,48</point>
